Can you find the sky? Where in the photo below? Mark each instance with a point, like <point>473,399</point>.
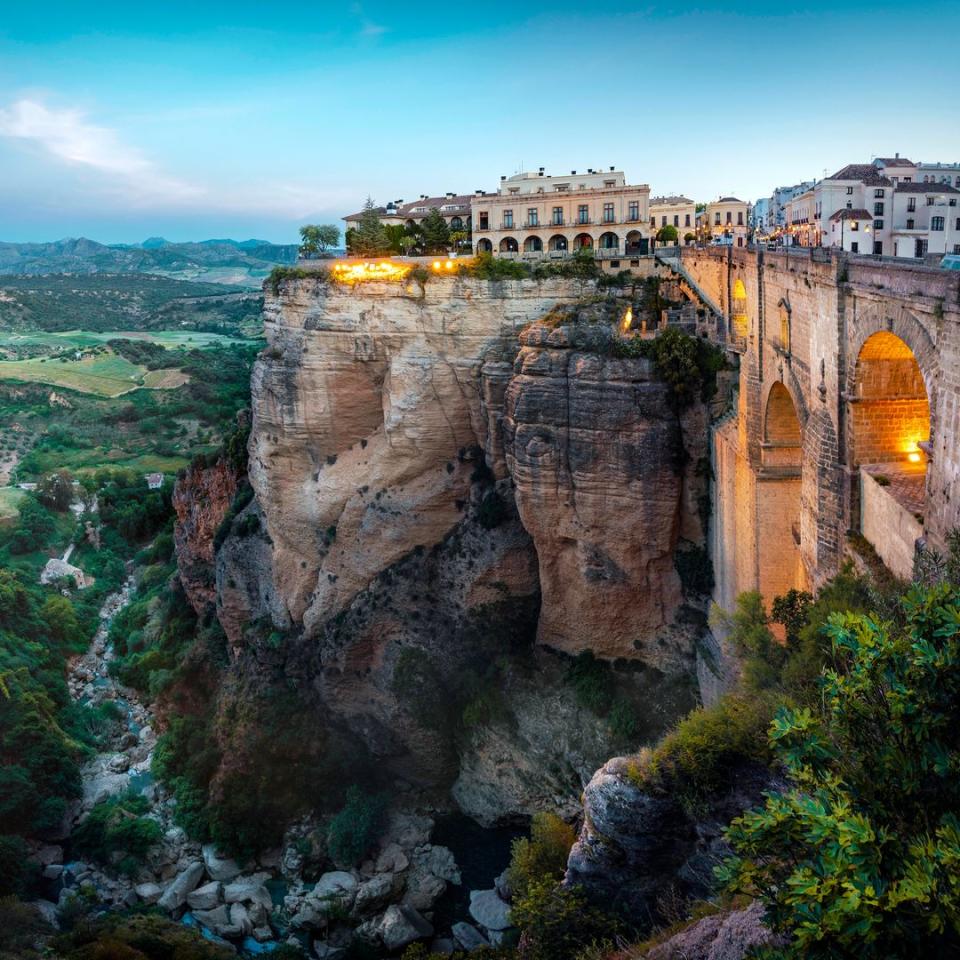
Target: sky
<point>121,121</point>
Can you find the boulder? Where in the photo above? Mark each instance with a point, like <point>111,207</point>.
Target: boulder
<point>336,883</point>
<point>468,936</point>
<point>48,854</point>
<point>218,867</point>
<point>249,890</point>
<point>205,897</point>
<point>407,830</point>
<point>504,888</point>
<point>392,859</point>
<point>149,892</point>
<point>217,920</point>
<point>47,911</point>
<point>240,919</point>
<point>489,910</point>
<point>439,861</point>
<point>401,925</point>
<point>423,889</point>
<point>723,936</point>
<point>175,896</point>
<point>374,894</point>
<point>53,871</point>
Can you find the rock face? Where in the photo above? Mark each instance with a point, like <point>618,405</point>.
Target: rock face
<point>361,403</point>
<point>201,499</point>
<point>596,452</point>
<point>636,844</point>
<point>723,936</point>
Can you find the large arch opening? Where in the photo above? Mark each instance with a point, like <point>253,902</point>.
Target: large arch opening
<point>532,245</point>
<point>508,245</point>
<point>890,426</point>
<point>780,563</point>
<point>558,242</point>
<point>609,241</point>
<point>583,241</point>
<point>484,245</point>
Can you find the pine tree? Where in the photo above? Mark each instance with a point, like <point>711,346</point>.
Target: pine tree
<point>369,239</point>
<point>436,233</point>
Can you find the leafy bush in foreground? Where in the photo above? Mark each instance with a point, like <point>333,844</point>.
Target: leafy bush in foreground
<point>861,858</point>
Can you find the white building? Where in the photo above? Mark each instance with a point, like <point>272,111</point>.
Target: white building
<point>777,214</point>
<point>866,195</point>
<point>926,219</point>
<point>533,216</point>
<point>728,218</point>
<point>761,215</point>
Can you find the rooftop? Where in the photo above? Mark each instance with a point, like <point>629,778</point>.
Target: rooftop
<point>456,203</point>
<point>896,161</point>
<point>654,200</point>
<point>728,200</point>
<point>857,213</point>
<point>863,173</point>
<point>925,188</point>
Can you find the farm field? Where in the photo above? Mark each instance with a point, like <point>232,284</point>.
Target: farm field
<point>10,498</point>
<point>106,375</point>
<point>17,341</point>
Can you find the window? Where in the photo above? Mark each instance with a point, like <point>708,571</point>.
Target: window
<point>653,221</point>
<point>878,209</point>
<point>953,202</point>
<point>956,248</point>
<point>676,220</point>
<point>920,250</point>
<point>854,224</point>
<point>729,216</point>
<point>533,218</point>
<point>557,216</point>
<point>912,204</point>
<point>608,213</point>
<point>877,224</point>
<point>609,183</point>
<point>484,221</point>
<point>930,201</point>
<point>878,247</point>
<point>936,223</point>
<point>740,218</point>
<point>854,247</point>
<point>663,221</point>
<point>957,224</point>
<point>717,219</point>
<point>583,213</point>
<point>561,186</point>
<point>633,210</point>
<point>849,191</point>
<point>508,218</point>
<point>910,223</point>
<point>878,193</point>
<point>686,220</point>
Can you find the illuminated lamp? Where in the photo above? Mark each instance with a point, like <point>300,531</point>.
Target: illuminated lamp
<point>436,264</point>
<point>913,457</point>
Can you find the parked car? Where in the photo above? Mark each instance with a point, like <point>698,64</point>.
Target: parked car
<point>950,262</point>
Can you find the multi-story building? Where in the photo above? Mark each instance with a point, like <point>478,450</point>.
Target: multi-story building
<point>800,223</point>
<point>926,219</point>
<point>454,208</point>
<point>679,212</point>
<point>729,217</point>
<point>945,173</point>
<point>760,217</point>
<point>853,209</point>
<point>777,220</point>
<point>533,215</point>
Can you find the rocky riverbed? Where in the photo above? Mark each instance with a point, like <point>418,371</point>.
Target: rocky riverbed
<point>395,897</point>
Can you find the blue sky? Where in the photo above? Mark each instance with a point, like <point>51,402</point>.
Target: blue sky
<point>120,121</point>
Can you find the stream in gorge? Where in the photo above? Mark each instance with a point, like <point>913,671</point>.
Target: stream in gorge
<point>433,871</point>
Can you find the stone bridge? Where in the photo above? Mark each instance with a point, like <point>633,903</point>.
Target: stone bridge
<point>847,418</point>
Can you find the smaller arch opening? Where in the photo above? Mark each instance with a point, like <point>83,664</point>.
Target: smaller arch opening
<point>532,245</point>
<point>508,245</point>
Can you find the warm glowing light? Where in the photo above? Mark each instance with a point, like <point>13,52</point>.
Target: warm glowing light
<point>368,270</point>
<point>436,264</point>
<point>627,320</point>
<point>913,457</point>
<point>449,264</point>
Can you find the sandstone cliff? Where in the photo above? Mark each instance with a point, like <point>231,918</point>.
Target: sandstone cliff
<point>361,403</point>
<point>201,499</point>
<point>606,487</point>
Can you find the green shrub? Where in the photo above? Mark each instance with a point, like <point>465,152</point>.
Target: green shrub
<point>861,857</point>
<point>354,830</point>
<point>488,267</point>
<point>591,681</point>
<point>543,856</point>
<point>699,758</point>
<point>556,922</point>
<point>117,825</point>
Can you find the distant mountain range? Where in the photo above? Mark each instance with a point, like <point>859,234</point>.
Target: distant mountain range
<point>236,262</point>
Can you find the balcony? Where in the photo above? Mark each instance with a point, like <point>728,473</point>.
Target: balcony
<point>482,228</point>
<point>532,225</point>
<point>504,225</point>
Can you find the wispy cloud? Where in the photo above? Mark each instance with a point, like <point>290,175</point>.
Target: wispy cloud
<point>367,27</point>
<point>67,135</point>
<point>131,180</point>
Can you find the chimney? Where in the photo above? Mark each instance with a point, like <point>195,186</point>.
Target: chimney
<point>502,178</point>
<point>611,169</point>
<point>573,173</point>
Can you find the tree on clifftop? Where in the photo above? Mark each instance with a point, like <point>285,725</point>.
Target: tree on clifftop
<point>317,238</point>
<point>436,233</point>
<point>369,239</point>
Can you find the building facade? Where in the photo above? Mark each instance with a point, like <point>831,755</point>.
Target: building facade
<point>728,218</point>
<point>674,211</point>
<point>534,216</point>
<point>926,219</point>
<point>777,219</point>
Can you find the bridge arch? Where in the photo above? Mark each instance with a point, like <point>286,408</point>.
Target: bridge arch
<point>779,498</point>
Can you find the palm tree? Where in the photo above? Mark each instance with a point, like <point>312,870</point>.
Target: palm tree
<point>458,238</point>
